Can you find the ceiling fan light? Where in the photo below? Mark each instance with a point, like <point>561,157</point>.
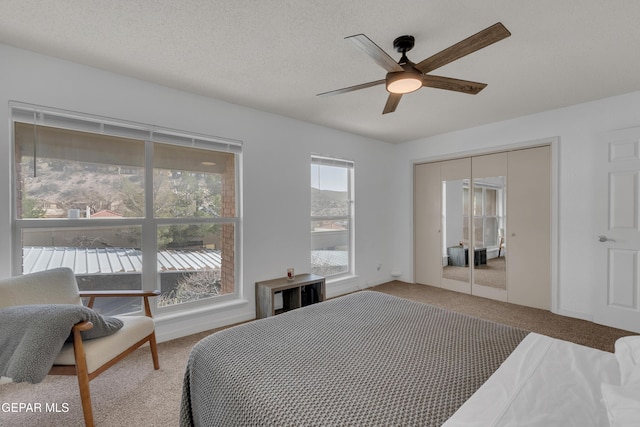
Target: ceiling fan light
<point>403,82</point>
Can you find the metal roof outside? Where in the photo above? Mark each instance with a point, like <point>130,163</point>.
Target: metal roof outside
<point>94,261</point>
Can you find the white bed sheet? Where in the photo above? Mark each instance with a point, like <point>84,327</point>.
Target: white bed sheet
<point>544,382</point>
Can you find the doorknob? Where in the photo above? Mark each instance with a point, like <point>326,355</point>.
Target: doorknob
<point>603,238</point>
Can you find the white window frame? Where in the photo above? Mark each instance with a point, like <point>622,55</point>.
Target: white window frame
<point>499,216</point>
<point>349,165</point>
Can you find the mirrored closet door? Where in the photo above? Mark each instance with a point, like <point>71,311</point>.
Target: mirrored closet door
<point>481,225</point>
<point>489,189</point>
<point>455,176</point>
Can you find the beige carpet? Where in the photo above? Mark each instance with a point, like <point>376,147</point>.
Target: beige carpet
<point>531,319</point>
<point>133,394</point>
<point>129,394</point>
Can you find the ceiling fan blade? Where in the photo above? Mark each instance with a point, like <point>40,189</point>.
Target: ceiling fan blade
<point>392,102</point>
<point>381,57</point>
<point>449,83</point>
<point>352,88</point>
<point>484,38</point>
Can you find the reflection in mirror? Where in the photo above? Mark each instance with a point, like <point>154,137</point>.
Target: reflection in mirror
<point>489,223</point>
<point>455,230</point>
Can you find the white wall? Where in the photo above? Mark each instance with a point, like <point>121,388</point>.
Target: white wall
<point>275,175</point>
<point>577,128</point>
<point>275,171</point>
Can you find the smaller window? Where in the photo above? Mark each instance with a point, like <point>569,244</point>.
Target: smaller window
<point>331,216</point>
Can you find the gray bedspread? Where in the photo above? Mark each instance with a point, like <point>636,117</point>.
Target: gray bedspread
<point>31,336</point>
<point>366,359</point>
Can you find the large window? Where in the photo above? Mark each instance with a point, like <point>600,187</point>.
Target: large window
<point>125,206</point>
<point>331,216</point>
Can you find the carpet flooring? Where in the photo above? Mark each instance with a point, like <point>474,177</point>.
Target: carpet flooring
<point>133,394</point>
<point>531,319</point>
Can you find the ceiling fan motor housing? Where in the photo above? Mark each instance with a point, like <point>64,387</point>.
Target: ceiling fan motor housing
<point>408,80</point>
<point>404,44</point>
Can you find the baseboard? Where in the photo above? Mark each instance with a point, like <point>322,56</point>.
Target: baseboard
<point>349,285</point>
<point>574,314</point>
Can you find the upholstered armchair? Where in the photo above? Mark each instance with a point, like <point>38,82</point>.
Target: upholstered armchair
<point>81,357</point>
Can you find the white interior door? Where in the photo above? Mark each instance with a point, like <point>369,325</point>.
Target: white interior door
<point>617,296</point>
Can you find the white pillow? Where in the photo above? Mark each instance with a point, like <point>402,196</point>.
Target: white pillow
<point>623,405</point>
<point>628,355</point>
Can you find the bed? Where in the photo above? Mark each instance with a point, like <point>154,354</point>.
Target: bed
<point>372,359</point>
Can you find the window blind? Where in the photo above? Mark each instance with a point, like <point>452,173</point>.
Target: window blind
<point>330,161</point>
<point>42,116</point>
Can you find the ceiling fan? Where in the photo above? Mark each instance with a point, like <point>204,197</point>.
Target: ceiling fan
<point>405,76</point>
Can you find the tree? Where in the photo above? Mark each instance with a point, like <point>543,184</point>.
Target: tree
<point>192,287</point>
<point>31,208</point>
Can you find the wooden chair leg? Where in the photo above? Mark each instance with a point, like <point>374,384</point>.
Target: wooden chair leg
<point>154,351</point>
<point>83,377</point>
<point>85,398</point>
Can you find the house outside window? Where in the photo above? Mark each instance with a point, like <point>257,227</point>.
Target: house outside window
<point>125,206</point>
<point>332,222</point>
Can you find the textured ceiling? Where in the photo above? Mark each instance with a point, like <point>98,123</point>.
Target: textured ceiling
<point>276,55</point>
